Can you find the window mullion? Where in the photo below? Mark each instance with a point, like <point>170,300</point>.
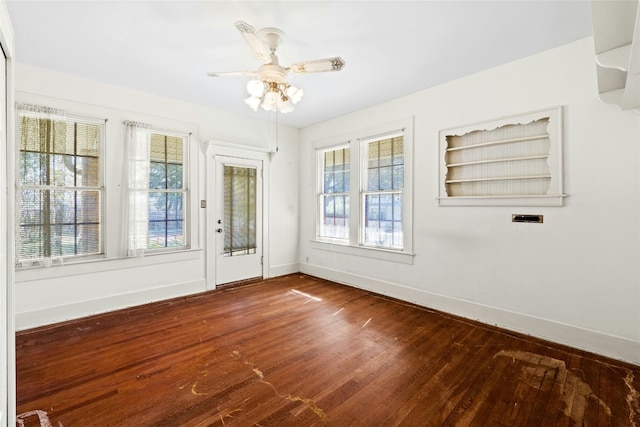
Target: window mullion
<point>46,203</point>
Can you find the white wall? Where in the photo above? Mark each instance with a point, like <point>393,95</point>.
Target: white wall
<point>574,279</point>
<point>57,293</point>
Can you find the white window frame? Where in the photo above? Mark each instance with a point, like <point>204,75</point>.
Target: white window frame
<point>48,262</point>
<point>320,191</point>
<point>186,203</point>
<point>554,196</point>
<point>364,192</point>
<point>357,140</point>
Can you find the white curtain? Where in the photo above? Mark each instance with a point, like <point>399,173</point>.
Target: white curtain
<point>34,140</point>
<point>136,204</point>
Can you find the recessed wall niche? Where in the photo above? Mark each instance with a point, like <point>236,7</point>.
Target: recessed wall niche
<point>512,161</point>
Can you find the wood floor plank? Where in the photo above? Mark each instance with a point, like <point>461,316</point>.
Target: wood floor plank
<point>303,351</point>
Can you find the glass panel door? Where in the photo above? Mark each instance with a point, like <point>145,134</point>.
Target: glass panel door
<point>239,210</point>
<point>238,220</point>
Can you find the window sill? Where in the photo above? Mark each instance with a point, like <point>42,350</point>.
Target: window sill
<point>104,264</point>
<point>366,252</point>
<point>515,201</point>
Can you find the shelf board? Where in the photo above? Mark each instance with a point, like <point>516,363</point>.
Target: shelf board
<point>615,58</point>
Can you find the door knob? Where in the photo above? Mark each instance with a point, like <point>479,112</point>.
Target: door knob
<point>219,230</point>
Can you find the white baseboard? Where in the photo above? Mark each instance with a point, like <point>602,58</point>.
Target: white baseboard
<point>47,316</point>
<point>593,341</point>
<point>284,269</point>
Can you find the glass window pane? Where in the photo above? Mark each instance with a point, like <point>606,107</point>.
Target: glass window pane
<point>373,180</point>
<point>386,207</point>
<point>87,206</point>
<point>175,233</point>
<point>398,177</point>
<point>339,182</point>
<point>335,222</point>
<point>157,207</point>
<point>157,176</point>
<point>398,150</point>
<point>88,140</point>
<point>373,154</point>
<point>157,237</point>
<point>31,241</point>
<point>174,206</point>
<point>88,239</point>
<point>397,207</point>
<point>372,208</point>
<point>328,160</point>
<point>386,182</point>
<point>383,220</point>
<point>32,203</point>
<point>88,172</point>
<point>385,152</point>
<point>174,176</point>
<point>329,206</point>
<point>174,149</point>
<point>32,169</point>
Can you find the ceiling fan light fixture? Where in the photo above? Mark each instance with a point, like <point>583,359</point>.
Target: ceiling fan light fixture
<point>253,102</point>
<point>285,106</point>
<point>255,88</point>
<point>270,101</point>
<point>272,96</point>
<point>294,93</point>
<point>269,88</point>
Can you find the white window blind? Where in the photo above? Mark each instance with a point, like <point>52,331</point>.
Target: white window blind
<point>514,161</point>
<point>60,195</point>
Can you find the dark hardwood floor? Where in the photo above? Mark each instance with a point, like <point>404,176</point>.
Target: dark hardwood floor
<point>301,351</point>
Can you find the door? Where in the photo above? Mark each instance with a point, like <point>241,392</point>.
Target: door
<point>238,222</point>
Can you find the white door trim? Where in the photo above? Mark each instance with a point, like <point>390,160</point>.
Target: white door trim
<point>7,227</point>
<point>212,150</point>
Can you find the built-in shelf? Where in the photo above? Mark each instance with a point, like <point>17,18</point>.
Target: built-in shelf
<point>616,33</point>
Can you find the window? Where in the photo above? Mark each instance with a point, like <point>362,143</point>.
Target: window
<point>515,161</point>
<point>157,194</point>
<point>166,192</point>
<point>334,193</point>
<point>363,198</point>
<point>60,193</point>
<point>382,196</point>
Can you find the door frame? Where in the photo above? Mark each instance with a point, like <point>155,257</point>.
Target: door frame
<point>219,148</point>
<point>7,228</point>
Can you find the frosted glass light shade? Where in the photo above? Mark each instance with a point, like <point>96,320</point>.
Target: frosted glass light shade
<point>253,102</point>
<point>255,88</point>
<point>294,94</point>
<point>270,102</point>
<point>285,106</point>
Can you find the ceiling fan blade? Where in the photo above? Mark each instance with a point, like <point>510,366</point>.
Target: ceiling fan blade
<point>318,65</point>
<point>232,73</point>
<point>255,42</point>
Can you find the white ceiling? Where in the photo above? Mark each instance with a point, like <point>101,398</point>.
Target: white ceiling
<point>391,48</point>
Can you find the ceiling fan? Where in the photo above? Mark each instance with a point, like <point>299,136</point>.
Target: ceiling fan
<point>270,88</point>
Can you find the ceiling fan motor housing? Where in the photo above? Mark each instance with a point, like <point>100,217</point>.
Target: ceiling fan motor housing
<point>273,72</point>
